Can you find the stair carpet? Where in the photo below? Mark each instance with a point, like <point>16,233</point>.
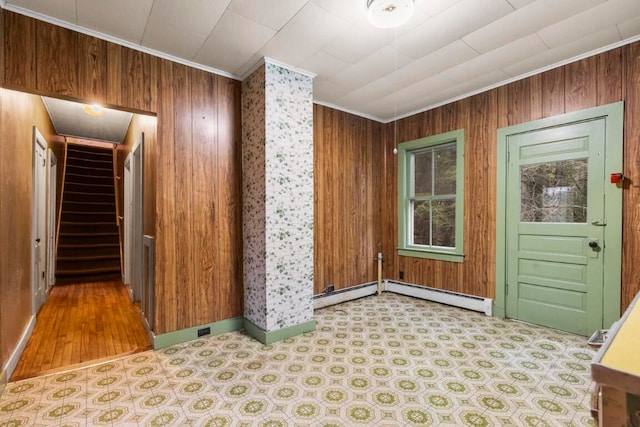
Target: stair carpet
<point>88,243</point>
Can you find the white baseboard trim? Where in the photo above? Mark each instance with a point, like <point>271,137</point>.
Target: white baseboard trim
<point>455,299</point>
<point>344,295</point>
<point>470,302</point>
<point>11,364</point>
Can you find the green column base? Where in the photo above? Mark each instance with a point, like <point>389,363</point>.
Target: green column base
<point>270,337</point>
<point>189,334</point>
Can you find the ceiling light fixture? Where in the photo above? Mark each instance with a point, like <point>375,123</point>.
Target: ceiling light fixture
<point>94,110</point>
<point>389,13</point>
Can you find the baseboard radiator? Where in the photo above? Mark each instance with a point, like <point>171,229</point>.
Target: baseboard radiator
<point>455,299</point>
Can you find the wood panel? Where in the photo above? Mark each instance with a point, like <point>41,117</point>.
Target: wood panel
<point>92,68</point>
<point>229,296</point>
<point>100,317</point>
<point>631,202</point>
<point>19,52</point>
<point>56,71</point>
<point>348,190</point>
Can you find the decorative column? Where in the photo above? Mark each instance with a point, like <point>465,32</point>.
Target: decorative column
<point>277,206</point>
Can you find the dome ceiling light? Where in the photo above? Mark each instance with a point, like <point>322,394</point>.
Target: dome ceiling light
<point>389,13</point>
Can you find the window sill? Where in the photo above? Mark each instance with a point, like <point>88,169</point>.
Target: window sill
<point>441,256</point>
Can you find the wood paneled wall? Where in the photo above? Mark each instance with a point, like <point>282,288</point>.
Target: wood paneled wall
<point>348,189</point>
<point>197,218</point>
<point>609,77</point>
<point>19,112</point>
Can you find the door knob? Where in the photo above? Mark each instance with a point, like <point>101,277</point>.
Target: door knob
<point>593,244</point>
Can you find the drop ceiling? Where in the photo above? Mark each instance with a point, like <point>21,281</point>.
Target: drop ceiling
<point>449,48</point>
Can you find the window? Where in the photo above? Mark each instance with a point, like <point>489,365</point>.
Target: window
<point>431,197</point>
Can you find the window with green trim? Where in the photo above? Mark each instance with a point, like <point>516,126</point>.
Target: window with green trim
<point>431,197</point>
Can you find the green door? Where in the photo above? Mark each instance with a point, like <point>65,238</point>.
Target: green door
<point>555,226</point>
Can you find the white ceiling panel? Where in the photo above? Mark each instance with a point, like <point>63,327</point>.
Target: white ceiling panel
<point>123,19</point>
<point>322,63</point>
<point>582,24</point>
<point>64,10</point>
<point>455,22</point>
<point>527,20</point>
<point>230,53</point>
<point>447,49</point>
<point>434,63</point>
<point>373,67</point>
<point>497,59</point>
<point>570,50</point>
<point>630,28</point>
<point>270,13</point>
<point>434,7</point>
<point>180,31</point>
<point>349,11</point>
<point>311,29</point>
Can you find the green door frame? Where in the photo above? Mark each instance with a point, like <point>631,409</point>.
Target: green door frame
<point>614,119</point>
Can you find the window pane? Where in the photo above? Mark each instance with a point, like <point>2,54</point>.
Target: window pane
<point>421,223</point>
<point>444,223</point>
<point>445,170</point>
<point>554,192</point>
<point>422,174</point>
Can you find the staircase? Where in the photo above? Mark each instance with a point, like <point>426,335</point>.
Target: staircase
<point>88,243</point>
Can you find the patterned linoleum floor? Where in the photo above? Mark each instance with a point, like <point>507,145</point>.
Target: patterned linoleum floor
<point>379,361</point>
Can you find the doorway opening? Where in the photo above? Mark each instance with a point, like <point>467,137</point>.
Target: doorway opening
<point>85,304</point>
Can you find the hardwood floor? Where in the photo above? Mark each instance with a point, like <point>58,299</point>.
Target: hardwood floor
<point>81,324</point>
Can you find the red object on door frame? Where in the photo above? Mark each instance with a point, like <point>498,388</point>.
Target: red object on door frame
<point>616,178</point>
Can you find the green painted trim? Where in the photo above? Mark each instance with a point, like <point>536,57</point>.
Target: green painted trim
<point>442,256</point>
<point>279,334</point>
<point>614,117</point>
<point>404,152</point>
<point>189,334</point>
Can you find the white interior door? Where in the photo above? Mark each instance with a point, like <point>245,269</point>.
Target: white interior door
<point>51,220</point>
<point>39,216</point>
<point>128,189</point>
<point>137,222</point>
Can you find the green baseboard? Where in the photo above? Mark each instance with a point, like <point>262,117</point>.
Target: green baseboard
<point>279,334</point>
<point>190,334</point>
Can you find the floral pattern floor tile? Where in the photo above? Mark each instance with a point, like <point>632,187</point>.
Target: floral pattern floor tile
<point>379,361</point>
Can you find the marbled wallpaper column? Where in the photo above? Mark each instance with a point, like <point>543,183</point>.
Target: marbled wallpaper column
<point>277,155</point>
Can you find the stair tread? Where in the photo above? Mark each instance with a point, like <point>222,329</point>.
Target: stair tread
<point>87,245</point>
<point>84,159</point>
<point>113,256</point>
<point>86,223</point>
<point>89,176</point>
<point>77,234</point>
<point>75,202</point>
<point>85,271</point>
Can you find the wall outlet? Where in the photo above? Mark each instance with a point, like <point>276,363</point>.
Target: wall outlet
<point>328,289</point>
<point>204,331</point>
<point>401,275</point>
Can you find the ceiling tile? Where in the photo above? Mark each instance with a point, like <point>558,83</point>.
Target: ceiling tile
<point>349,11</point>
<point>434,63</point>
<point>384,61</point>
<point>123,19</point>
<point>434,7</point>
<point>368,93</point>
<point>455,22</point>
<point>180,31</point>
<point>271,13</point>
<point>64,10</point>
<point>524,21</point>
<point>629,28</point>
<point>586,44</point>
<point>583,24</point>
<point>323,64</point>
<point>311,29</point>
<point>496,59</point>
<point>230,53</point>
<point>327,91</point>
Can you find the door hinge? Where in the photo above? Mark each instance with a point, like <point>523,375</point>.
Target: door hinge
<point>508,156</point>
<point>506,289</point>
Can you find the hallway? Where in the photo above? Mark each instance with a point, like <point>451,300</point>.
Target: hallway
<point>82,324</point>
